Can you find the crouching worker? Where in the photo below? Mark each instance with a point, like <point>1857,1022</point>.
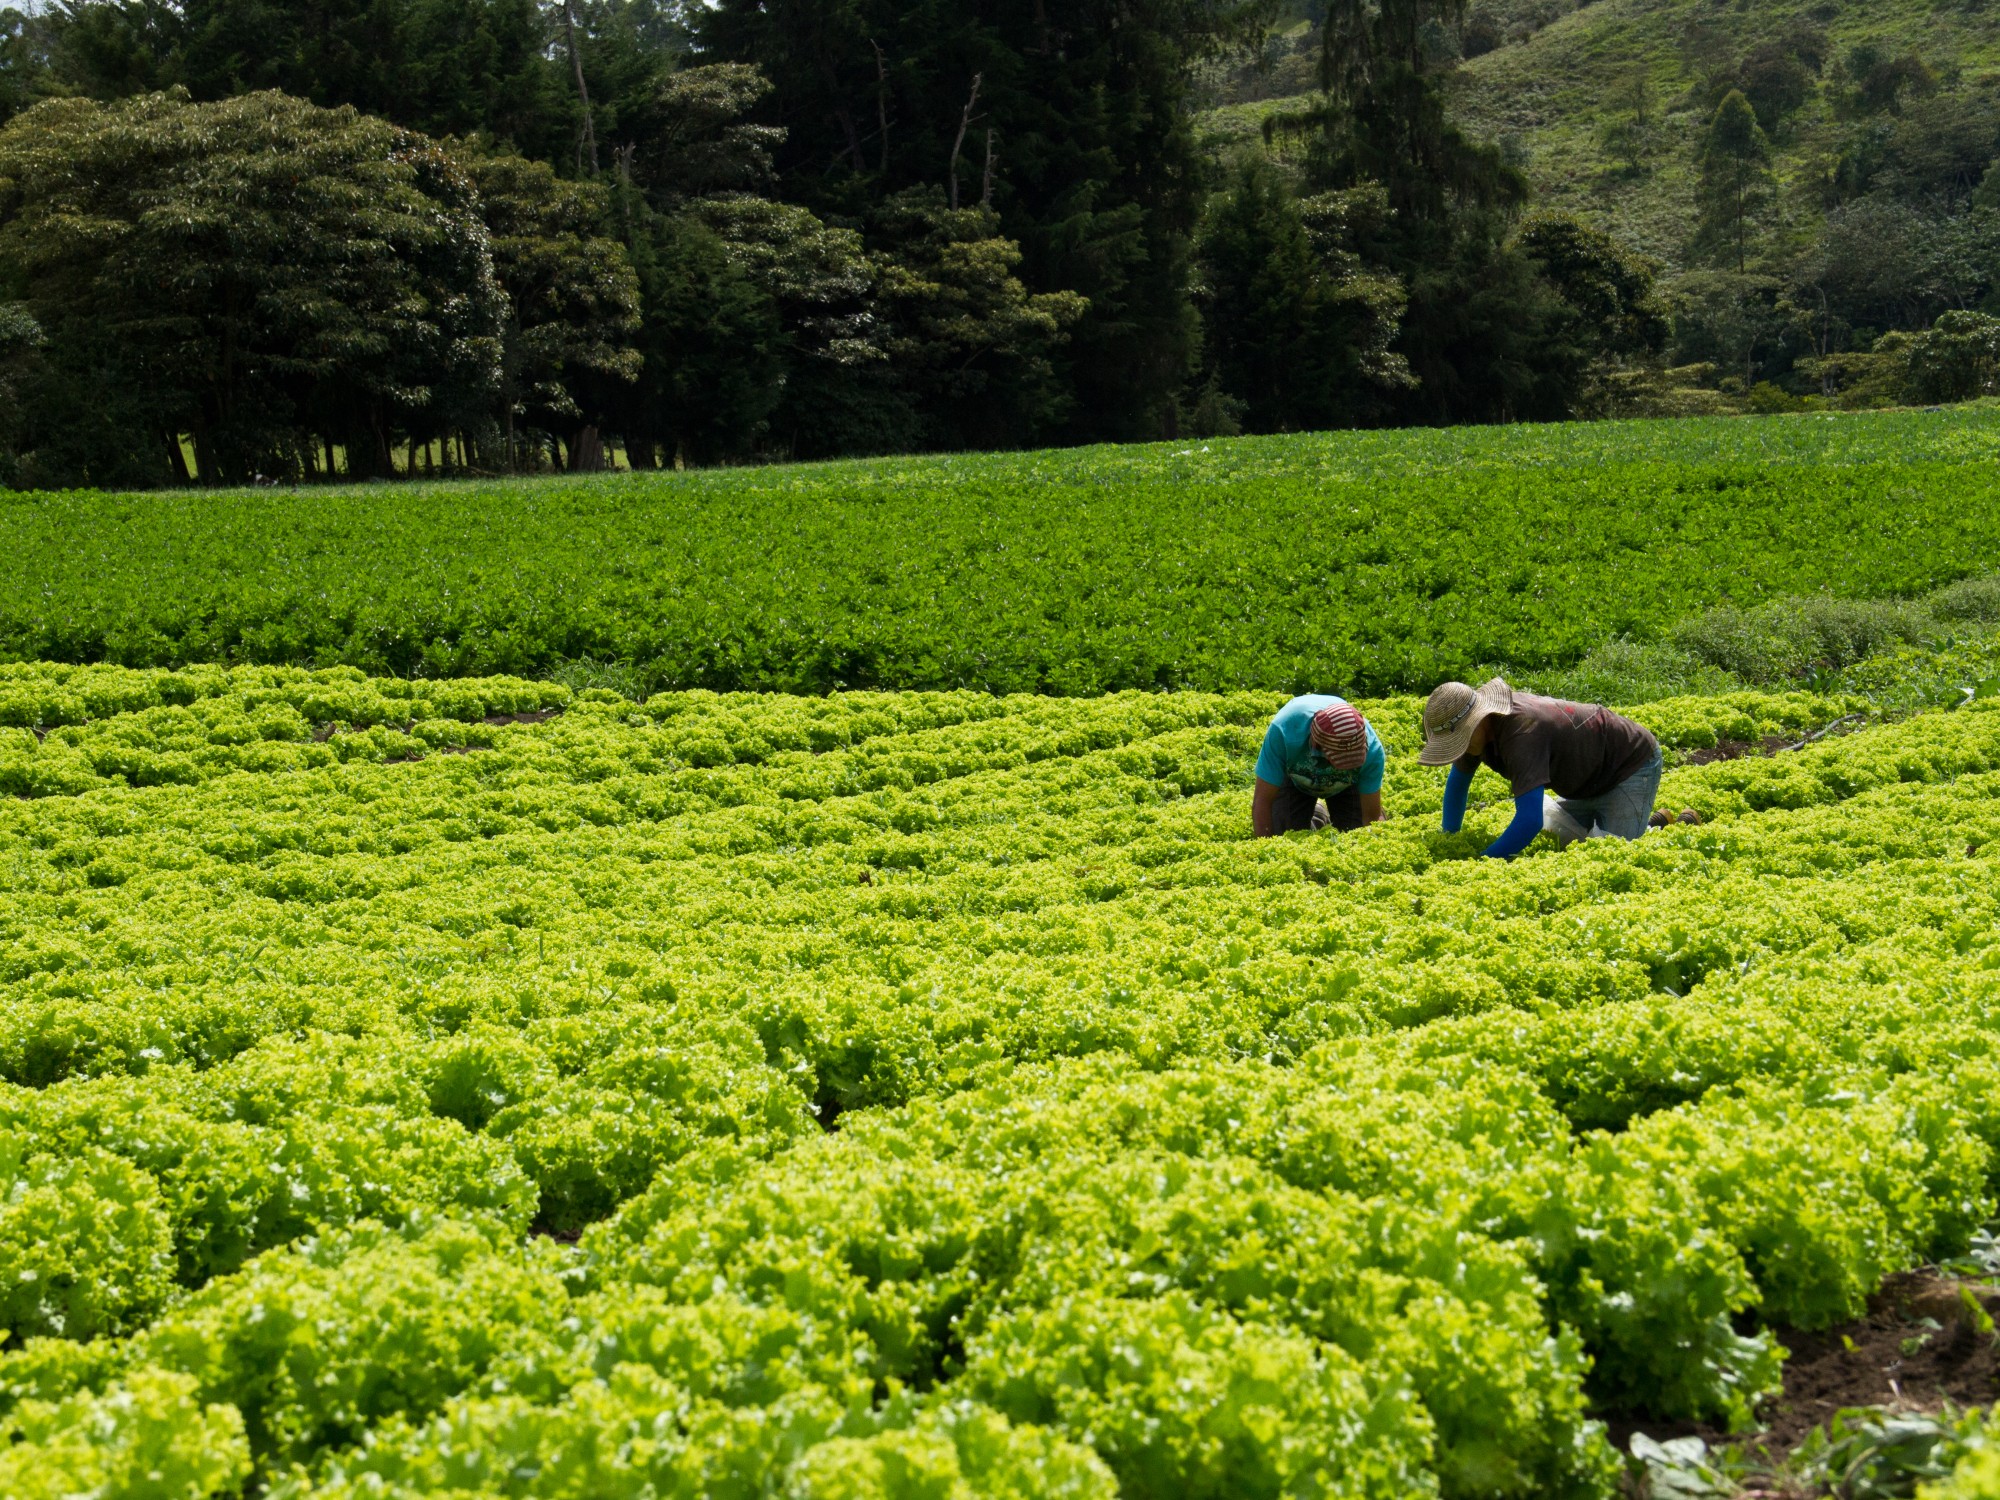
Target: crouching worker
<point>1318,747</point>
<point>1603,769</point>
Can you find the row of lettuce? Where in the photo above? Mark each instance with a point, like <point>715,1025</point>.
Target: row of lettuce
<point>1407,558</point>
<point>938,1095</point>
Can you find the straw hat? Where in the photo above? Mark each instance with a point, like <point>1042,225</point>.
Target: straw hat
<point>1453,712</point>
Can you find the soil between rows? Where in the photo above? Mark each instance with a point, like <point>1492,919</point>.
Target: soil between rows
<point>1865,1363</point>
<point>1771,744</point>
<point>326,732</point>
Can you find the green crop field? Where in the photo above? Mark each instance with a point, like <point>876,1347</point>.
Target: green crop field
<point>942,1085</point>
<point>474,1086</point>
<point>1385,560</point>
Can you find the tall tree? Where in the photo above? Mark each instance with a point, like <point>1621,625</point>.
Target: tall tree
<point>445,67</point>
<point>274,278</point>
<point>971,347</point>
<point>21,341</point>
<point>1382,117</point>
<point>1298,329</point>
<point>1609,290</point>
<point>27,72</point>
<point>1735,180</point>
<point>712,338</point>
<point>1600,316</point>
<point>1080,138</point>
<point>1957,359</point>
<point>572,300</point>
<point>1473,323</point>
<point>690,135</point>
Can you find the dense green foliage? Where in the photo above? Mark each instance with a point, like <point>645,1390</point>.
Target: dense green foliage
<point>1477,314</point>
<point>949,1096</point>
<point>1792,238</point>
<point>848,227</point>
<point>1808,175</point>
<point>1359,561</point>
<point>276,283</point>
<point>1004,258</point>
<point>851,227</point>
<point>396,302</point>
<point>1071,121</point>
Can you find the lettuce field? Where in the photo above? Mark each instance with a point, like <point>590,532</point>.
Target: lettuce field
<point>1401,557</point>
<point>472,1088</point>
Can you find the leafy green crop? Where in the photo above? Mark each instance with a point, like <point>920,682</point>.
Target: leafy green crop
<point>939,1094</point>
<point>1355,561</point>
<point>143,1438</point>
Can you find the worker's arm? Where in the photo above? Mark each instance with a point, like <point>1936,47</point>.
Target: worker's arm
<point>1263,809</point>
<point>1456,785</point>
<point>1521,832</point>
<point>1371,809</point>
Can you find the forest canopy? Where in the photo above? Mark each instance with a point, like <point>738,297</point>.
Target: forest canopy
<point>304,238</point>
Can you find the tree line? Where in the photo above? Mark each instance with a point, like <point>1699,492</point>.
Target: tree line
<point>287,239</point>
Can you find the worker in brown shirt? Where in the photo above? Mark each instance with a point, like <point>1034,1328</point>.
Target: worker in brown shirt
<point>1603,769</point>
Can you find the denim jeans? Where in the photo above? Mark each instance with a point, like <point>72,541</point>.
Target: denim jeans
<point>1621,812</point>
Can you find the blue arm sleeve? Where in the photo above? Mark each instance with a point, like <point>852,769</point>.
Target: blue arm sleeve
<point>1521,832</point>
<point>1456,785</point>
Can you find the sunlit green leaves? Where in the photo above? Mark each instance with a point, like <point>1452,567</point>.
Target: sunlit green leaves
<point>942,1093</point>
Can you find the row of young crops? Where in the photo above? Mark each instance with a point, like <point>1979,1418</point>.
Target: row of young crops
<point>1404,558</point>
<point>938,1094</point>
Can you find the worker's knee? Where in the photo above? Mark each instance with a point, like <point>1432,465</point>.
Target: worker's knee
<point>1557,820</point>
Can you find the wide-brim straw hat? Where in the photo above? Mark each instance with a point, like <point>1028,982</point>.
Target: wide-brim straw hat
<point>1453,713</point>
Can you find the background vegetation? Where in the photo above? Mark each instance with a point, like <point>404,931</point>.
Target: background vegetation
<point>318,238</point>
<point>1802,238</point>
<point>667,241</point>
<point>1358,561</point>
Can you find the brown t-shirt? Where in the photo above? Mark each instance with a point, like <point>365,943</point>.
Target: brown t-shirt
<point>1574,749</point>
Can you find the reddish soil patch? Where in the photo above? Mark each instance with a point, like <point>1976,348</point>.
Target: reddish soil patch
<point>326,732</point>
<point>1865,1363</point>
<point>533,716</point>
<point>1771,744</point>
<point>1955,1362</point>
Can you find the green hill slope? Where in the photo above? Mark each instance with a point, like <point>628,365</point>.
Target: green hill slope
<point>1555,96</point>
<point>1603,104</point>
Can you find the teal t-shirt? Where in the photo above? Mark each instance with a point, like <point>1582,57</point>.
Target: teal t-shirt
<point>1289,759</point>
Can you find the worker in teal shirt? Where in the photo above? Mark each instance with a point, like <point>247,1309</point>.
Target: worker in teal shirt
<point>1321,766</point>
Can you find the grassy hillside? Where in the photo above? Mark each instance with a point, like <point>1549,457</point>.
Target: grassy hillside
<point>1560,77</point>
<point>1552,96</point>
